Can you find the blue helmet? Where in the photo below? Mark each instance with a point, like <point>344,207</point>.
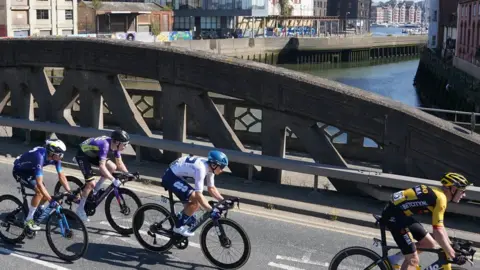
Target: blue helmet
<point>218,158</point>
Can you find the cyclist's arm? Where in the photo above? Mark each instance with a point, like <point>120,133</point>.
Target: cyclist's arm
<point>212,189</point>
<point>439,232</point>
<point>119,162</point>
<point>102,164</point>
<point>61,176</point>
<point>199,182</point>
<point>39,178</point>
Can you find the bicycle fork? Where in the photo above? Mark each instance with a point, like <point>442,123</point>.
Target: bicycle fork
<point>124,209</point>
<point>63,224</point>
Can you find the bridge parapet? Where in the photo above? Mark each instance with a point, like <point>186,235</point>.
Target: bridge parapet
<point>413,142</point>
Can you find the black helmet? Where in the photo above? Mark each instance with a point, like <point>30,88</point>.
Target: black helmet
<point>120,136</point>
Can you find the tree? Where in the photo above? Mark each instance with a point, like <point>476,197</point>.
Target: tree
<point>97,4</point>
<point>285,8</point>
<point>155,27</point>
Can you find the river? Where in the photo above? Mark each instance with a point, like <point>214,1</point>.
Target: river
<point>393,79</point>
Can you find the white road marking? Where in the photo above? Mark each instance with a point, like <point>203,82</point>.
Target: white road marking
<point>302,260</point>
<point>283,266</point>
<point>40,262</point>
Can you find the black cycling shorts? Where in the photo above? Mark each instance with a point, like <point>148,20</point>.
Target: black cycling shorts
<point>403,228</point>
<point>85,164</point>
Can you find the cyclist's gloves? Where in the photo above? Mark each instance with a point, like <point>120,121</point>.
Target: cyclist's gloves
<point>459,259</point>
<point>52,204</point>
<point>215,214</point>
<point>117,182</point>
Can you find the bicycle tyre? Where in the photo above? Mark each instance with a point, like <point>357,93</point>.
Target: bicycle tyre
<point>344,253</point>
<point>108,212</point>
<point>70,179</point>
<point>246,240</point>
<point>69,214</point>
<point>25,212</point>
<point>137,223</point>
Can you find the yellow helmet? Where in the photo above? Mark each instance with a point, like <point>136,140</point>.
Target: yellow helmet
<point>455,179</point>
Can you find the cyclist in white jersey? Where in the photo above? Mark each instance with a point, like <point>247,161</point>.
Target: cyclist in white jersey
<point>203,171</point>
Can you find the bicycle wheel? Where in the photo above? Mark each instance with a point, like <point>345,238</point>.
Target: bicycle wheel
<point>71,228</point>
<point>123,211</point>
<point>361,251</point>
<point>75,185</point>
<point>226,243</point>
<point>12,220</point>
<point>153,229</point>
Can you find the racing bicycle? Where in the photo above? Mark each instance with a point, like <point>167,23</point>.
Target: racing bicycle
<point>63,219</point>
<point>156,230</point>
<point>460,246</point>
<point>93,201</point>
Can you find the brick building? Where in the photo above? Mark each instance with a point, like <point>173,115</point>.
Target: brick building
<point>111,17</point>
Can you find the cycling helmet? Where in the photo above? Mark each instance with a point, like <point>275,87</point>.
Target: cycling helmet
<point>218,158</point>
<point>455,179</point>
<point>55,146</point>
<point>120,136</point>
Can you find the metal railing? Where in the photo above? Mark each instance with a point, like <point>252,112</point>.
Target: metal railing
<point>473,116</point>
<point>354,175</point>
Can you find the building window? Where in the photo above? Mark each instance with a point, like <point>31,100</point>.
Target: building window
<point>434,39</point>
<point>68,14</point>
<point>42,14</point>
<point>434,19</point>
<point>45,33</point>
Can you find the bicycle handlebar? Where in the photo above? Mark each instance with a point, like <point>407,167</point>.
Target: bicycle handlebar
<point>225,205</point>
<point>58,197</point>
<point>126,177</point>
<point>463,247</point>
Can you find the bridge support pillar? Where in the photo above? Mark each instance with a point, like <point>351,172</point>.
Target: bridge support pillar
<point>273,144</point>
<point>174,118</point>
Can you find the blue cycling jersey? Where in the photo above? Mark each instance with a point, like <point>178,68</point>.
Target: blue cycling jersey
<point>34,161</point>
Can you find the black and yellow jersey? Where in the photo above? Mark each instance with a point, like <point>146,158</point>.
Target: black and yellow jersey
<point>422,199</point>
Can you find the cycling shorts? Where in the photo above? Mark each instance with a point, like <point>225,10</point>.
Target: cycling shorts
<point>25,178</point>
<point>85,164</point>
<point>403,228</point>
<point>177,185</point>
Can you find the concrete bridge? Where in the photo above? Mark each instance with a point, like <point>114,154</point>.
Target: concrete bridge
<point>411,142</point>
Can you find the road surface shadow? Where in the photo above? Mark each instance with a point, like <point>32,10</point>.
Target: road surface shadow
<point>7,249</point>
<point>120,256</point>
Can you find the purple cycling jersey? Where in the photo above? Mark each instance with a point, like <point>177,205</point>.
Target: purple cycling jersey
<point>98,147</point>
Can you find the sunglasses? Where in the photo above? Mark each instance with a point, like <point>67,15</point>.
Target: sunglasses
<point>60,155</point>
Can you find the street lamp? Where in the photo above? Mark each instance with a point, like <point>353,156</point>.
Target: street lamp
<point>346,14</point>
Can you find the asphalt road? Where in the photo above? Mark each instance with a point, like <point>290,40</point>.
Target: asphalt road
<point>280,240</point>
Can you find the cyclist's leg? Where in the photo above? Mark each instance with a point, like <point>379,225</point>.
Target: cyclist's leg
<point>404,239</point>
<point>111,167</point>
<point>183,191</point>
<point>85,166</point>
<point>424,239</point>
<point>27,179</point>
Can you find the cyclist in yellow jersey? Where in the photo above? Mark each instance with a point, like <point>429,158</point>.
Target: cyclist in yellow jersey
<point>419,200</point>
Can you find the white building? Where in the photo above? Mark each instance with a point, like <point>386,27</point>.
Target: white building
<point>300,7</point>
<point>20,18</point>
<point>432,19</point>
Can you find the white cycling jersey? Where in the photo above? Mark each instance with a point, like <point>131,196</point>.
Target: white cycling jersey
<point>196,168</point>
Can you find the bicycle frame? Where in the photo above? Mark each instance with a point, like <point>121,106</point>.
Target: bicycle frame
<point>172,203</point>
<point>108,190</point>
<point>61,222</point>
<point>441,263</point>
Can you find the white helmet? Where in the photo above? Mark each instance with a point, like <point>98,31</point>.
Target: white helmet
<point>55,146</point>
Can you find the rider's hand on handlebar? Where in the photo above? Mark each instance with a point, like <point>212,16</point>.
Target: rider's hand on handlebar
<point>459,259</point>
<point>215,214</point>
<point>53,203</point>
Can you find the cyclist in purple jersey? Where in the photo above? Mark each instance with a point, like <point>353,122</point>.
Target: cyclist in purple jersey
<point>94,151</point>
<point>28,170</point>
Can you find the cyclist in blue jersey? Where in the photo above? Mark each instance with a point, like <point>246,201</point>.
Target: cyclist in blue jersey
<point>28,170</point>
<point>94,151</point>
<point>203,170</point>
